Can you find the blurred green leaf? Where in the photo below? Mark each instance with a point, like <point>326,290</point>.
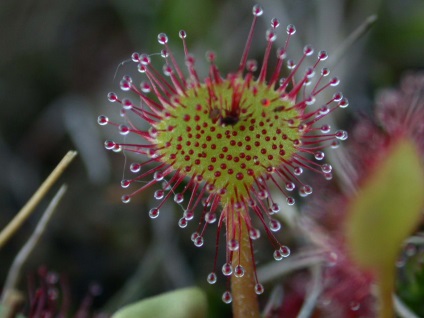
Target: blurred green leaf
<point>387,207</point>
<point>182,303</point>
<point>4,312</point>
<point>385,211</point>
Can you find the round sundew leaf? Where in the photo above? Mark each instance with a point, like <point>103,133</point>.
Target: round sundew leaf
<point>387,207</point>
<point>182,303</point>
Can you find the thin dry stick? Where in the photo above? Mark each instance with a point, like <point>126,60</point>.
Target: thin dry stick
<point>22,256</point>
<point>26,211</point>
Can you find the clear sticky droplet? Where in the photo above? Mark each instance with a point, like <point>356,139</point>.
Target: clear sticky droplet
<point>290,201</point>
<point>319,155</point>
<point>257,10</point>
<point>239,271</point>
<point>308,50</point>
<point>102,120</point>
<point>270,35</point>
<point>194,236</point>
<point>182,223</point>
<point>262,194</point>
<point>344,103</point>
<point>112,97</point>
<point>290,186</point>
<point>126,198</point>
<point>109,145</point>
<point>198,241</point>
<point>285,251</point>
<point>212,278</point>
<point>182,34</point>
<point>277,255</point>
<point>322,55</point>
<point>135,167</point>
<point>125,183</point>
<point>254,234</point>
<point>337,97</point>
<point>275,207</point>
<point>233,245</point>
<point>135,57</point>
<point>259,289</point>
<point>227,298</point>
<point>210,217</point>
<point>275,23</point>
<point>325,129</point>
<point>334,81</point>
<point>162,38</point>
<point>125,85</point>
<point>227,269</point>
<point>326,168</point>
<point>154,213</point>
<point>124,130</point>
<point>158,176</point>
<point>341,134</point>
<point>274,225</point>
<point>298,171</point>
<point>159,194</point>
<point>291,29</point>
<point>305,190</point>
<point>189,215</point>
<point>178,198</point>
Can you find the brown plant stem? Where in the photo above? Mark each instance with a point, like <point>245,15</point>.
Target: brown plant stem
<point>386,283</point>
<point>245,300</point>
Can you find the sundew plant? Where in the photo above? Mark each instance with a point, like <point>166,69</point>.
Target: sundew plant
<point>228,139</point>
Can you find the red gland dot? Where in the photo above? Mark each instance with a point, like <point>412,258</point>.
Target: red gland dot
<point>239,176</point>
<point>265,102</point>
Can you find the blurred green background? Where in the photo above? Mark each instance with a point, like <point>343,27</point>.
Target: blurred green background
<point>58,61</point>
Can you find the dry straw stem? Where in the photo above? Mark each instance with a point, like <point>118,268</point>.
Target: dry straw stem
<point>26,211</point>
<point>22,256</point>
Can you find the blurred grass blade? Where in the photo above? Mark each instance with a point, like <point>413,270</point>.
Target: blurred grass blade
<point>182,303</point>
